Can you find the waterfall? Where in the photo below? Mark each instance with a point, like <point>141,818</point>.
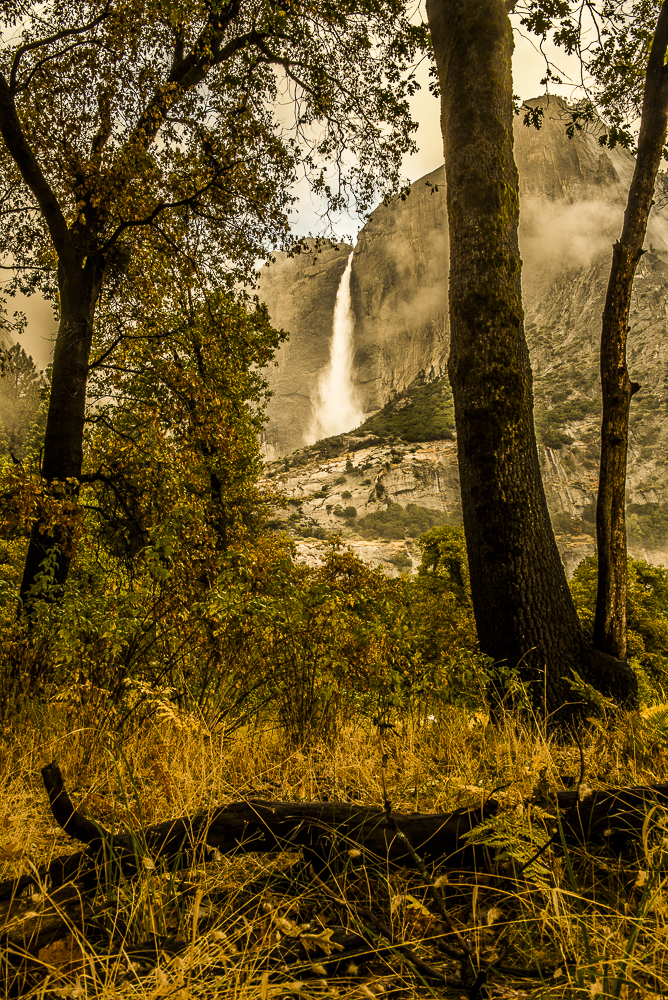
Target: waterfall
<point>337,410</point>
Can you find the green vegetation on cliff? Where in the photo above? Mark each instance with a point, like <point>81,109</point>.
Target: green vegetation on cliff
<point>422,412</point>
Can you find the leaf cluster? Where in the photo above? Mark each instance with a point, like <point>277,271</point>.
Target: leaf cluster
<point>612,39</point>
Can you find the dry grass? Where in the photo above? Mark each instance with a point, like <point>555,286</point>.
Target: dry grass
<point>595,925</point>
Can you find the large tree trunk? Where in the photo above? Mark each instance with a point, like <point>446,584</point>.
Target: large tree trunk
<point>610,621</point>
<point>63,443</point>
<point>524,612</point>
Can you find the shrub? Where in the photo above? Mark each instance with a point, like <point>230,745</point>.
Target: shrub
<point>345,511</point>
<point>646,616</point>
<point>563,523</point>
<point>401,560</point>
<point>420,413</point>
<point>647,523</point>
<point>397,522</point>
<point>314,531</point>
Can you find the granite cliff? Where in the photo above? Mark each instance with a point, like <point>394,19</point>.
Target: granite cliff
<point>573,194</point>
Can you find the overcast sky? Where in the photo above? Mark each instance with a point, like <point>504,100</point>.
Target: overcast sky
<point>528,69</point>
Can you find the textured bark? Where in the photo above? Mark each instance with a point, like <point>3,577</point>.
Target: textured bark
<point>524,612</point>
<point>63,443</point>
<point>610,621</point>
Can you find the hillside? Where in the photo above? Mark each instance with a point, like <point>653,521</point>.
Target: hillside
<point>393,478</point>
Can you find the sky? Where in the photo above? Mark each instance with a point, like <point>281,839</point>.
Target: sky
<point>528,69</point>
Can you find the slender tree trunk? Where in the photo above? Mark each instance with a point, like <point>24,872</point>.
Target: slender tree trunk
<point>524,612</point>
<point>610,621</point>
<point>63,443</point>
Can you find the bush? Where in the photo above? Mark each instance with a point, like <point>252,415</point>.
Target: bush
<point>419,413</point>
<point>397,522</point>
<point>564,524</point>
<point>345,511</point>
<point>646,616</point>
<point>314,531</point>
<point>402,561</point>
<point>454,671</point>
<point>647,523</point>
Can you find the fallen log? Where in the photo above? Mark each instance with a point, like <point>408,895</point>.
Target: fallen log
<point>326,832</point>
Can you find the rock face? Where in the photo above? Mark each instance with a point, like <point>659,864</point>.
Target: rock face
<point>300,292</point>
<point>399,290</point>
<point>573,195</point>
<point>322,493</point>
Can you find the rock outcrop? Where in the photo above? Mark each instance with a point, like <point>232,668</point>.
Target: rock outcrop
<point>573,195</point>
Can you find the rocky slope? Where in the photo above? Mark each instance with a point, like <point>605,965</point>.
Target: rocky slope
<point>573,194</point>
<point>381,487</point>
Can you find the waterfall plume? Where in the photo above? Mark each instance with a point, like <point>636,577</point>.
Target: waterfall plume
<point>337,409</point>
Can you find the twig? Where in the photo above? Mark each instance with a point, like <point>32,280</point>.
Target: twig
<point>419,862</point>
<point>361,914</point>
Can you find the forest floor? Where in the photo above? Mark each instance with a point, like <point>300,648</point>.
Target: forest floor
<point>257,926</point>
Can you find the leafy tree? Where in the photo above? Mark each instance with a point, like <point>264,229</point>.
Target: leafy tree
<point>180,423</point>
<point>172,449</point>
<point>148,143</point>
<point>21,390</point>
<point>646,616</point>
<point>525,615</point>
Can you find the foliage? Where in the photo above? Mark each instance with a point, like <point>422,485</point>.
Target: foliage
<point>326,643</point>
<point>22,390</point>
<point>169,138</point>
<point>183,413</point>
<point>398,522</point>
<point>422,412</point>
<point>144,150</point>
<point>444,624</point>
<point>647,523</point>
<point>170,482</point>
<point>402,561</point>
<point>613,48</point>
<point>647,619</point>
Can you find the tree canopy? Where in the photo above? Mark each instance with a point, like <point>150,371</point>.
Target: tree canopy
<point>133,129</point>
<point>148,145</point>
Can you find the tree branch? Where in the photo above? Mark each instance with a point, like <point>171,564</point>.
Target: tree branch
<point>23,156</point>
<point>40,42</point>
<point>188,73</point>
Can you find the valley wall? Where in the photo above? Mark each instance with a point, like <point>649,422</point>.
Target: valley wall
<point>573,195</point>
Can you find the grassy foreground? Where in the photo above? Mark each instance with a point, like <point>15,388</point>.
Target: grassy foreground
<point>259,926</point>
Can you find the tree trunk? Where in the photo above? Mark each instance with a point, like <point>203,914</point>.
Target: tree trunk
<point>63,443</point>
<point>610,621</point>
<point>524,612</point>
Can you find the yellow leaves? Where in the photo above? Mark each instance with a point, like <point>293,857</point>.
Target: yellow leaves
<point>406,901</point>
<point>322,941</point>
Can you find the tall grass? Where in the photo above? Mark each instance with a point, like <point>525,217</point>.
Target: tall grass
<point>575,924</point>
